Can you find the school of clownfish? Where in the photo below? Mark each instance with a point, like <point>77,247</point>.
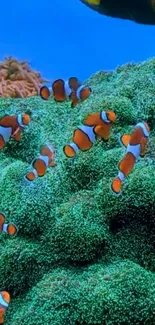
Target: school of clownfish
<point>96,125</point>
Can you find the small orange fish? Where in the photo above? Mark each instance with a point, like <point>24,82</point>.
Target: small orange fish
<point>81,94</point>
<point>10,228</point>
<point>70,89</point>
<point>61,89</point>
<point>4,303</point>
<point>12,126</point>
<point>41,163</point>
<point>95,125</point>
<point>44,92</point>
<point>136,146</point>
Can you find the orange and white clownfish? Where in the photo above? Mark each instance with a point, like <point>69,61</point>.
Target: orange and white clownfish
<point>9,228</point>
<point>42,162</point>
<point>136,146</point>
<point>4,303</point>
<point>61,89</point>
<point>95,125</point>
<point>81,94</point>
<point>12,126</point>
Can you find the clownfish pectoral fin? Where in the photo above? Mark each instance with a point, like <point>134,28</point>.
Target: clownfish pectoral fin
<point>69,151</point>
<point>2,221</point>
<point>116,186</point>
<point>44,92</point>
<point>17,135</point>
<point>52,163</point>
<point>58,88</point>
<point>2,142</point>
<point>143,146</point>
<point>125,139</point>
<point>11,229</point>
<point>74,103</point>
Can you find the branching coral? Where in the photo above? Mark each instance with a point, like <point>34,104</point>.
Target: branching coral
<point>17,79</point>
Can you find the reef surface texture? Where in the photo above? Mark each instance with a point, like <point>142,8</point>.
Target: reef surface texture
<point>81,256</point>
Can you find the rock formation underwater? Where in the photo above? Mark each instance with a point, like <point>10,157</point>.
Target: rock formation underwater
<point>81,256</point>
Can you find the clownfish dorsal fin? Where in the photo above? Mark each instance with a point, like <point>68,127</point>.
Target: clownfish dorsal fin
<point>74,83</point>
<point>125,139</point>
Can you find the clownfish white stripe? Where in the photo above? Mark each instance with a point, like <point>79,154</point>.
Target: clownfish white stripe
<point>50,148</point>
<point>89,131</point>
<point>5,132</point>
<point>4,229</point>
<point>104,117</point>
<point>135,150</point>
<point>19,120</point>
<point>121,176</point>
<point>35,172</point>
<point>79,90</point>
<point>142,125</point>
<point>74,146</point>
<point>3,302</point>
<point>51,90</point>
<point>68,90</point>
<point>45,159</point>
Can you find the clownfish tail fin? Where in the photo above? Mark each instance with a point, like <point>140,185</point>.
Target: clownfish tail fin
<point>116,186</point>
<point>31,176</point>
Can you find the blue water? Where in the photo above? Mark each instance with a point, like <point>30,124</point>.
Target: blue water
<point>63,38</point>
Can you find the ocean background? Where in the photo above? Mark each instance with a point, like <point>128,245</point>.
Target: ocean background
<point>65,38</point>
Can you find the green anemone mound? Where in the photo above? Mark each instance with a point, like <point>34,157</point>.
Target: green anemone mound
<point>82,256</point>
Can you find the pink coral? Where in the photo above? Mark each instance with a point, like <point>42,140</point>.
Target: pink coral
<point>18,80</point>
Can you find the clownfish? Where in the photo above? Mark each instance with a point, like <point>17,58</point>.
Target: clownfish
<point>12,126</point>
<point>95,125</point>
<point>81,94</point>
<point>136,146</point>
<point>61,89</point>
<point>70,89</point>
<point>4,303</point>
<point>10,228</point>
<point>41,163</point>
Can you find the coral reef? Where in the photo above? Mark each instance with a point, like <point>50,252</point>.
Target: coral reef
<point>81,256</point>
<point>18,80</point>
